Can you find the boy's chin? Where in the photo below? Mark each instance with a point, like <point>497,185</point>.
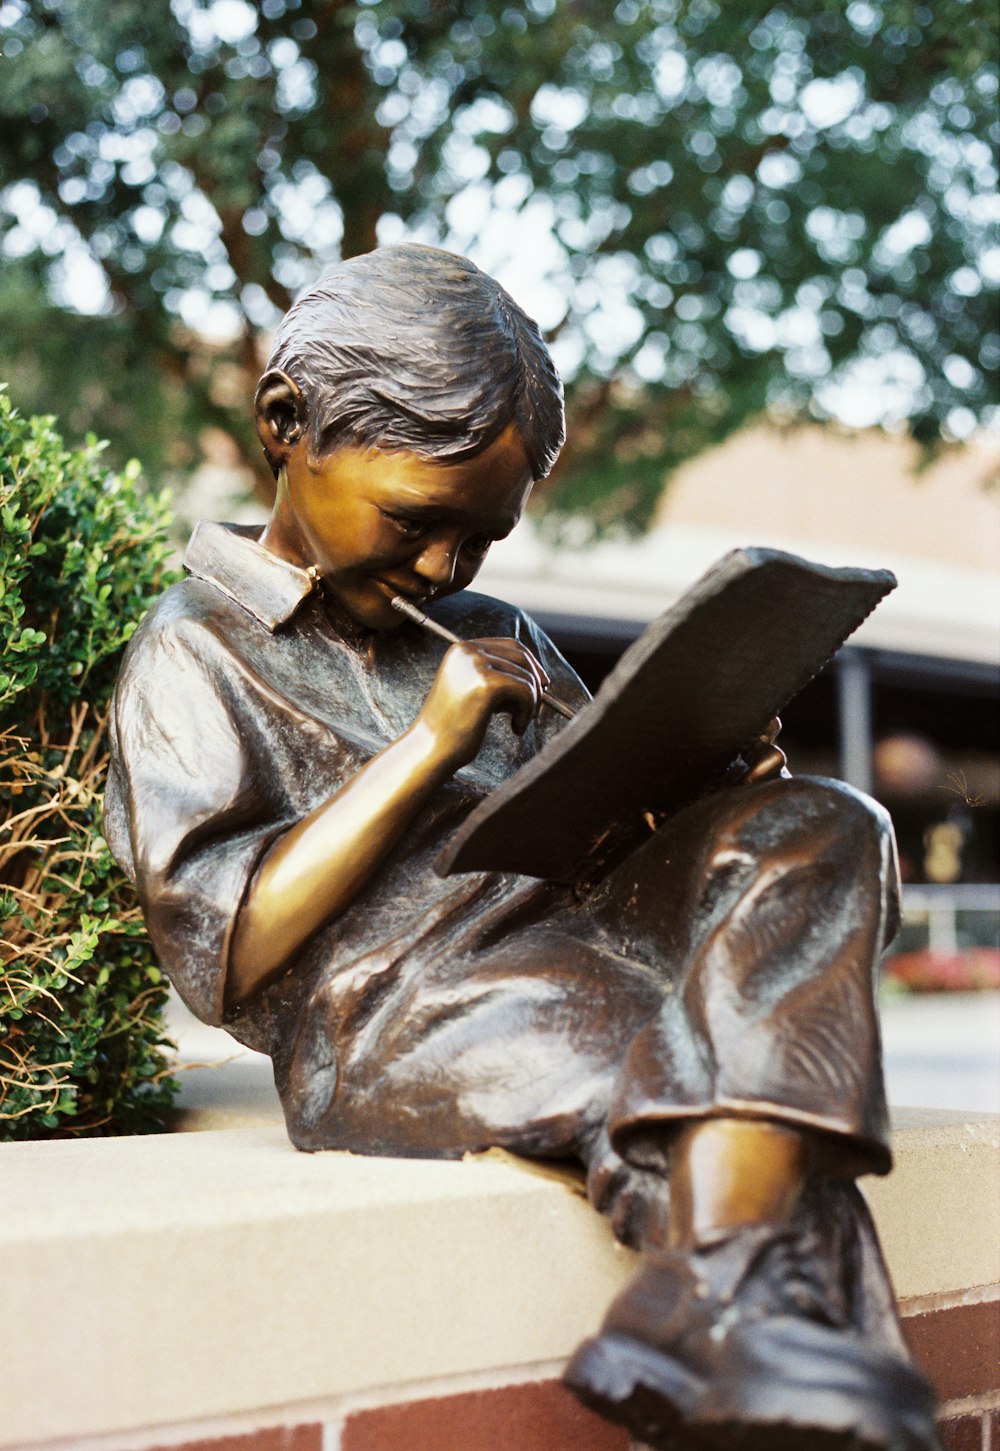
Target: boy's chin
<point>367,608</point>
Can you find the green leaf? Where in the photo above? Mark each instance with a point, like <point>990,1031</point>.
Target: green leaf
<point>81,986</point>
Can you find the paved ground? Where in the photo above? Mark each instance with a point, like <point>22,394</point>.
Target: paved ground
<point>942,1050</point>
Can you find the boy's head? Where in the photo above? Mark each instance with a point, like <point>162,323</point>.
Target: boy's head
<point>411,349</point>
<point>408,406</point>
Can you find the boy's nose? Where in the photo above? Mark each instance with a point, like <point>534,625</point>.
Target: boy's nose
<point>436,562</point>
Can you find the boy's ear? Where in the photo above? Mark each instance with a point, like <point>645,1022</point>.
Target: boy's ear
<point>280,414</point>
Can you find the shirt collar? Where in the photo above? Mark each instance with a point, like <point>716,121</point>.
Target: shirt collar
<point>229,557</point>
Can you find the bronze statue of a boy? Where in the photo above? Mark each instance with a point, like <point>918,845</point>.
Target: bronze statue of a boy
<point>289,755</point>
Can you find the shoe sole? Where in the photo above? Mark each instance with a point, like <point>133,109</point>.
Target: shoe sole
<point>656,1399</point>
<point>625,1384</point>
<point>781,1436</point>
<point>793,1386</point>
<point>625,1381</point>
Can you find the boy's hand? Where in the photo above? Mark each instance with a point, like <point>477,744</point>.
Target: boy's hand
<point>765,759</point>
<point>475,680</point>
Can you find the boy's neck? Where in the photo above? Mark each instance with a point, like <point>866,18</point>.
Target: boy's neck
<point>281,537</point>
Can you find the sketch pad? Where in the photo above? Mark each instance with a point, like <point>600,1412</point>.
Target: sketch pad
<point>695,690</point>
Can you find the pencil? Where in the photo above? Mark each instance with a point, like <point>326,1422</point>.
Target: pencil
<point>404,607</point>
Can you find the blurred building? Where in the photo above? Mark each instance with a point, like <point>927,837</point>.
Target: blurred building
<point>910,709</point>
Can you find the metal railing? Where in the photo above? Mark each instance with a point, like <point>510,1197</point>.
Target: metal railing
<point>955,915</point>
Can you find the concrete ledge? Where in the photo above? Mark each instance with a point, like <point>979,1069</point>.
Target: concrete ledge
<point>937,1212</point>
<point>194,1275</point>
<point>158,1281</point>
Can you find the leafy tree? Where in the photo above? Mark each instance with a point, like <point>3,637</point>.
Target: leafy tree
<point>729,206</point>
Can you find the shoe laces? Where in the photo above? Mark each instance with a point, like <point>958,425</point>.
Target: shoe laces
<point>768,1270</point>
<point>804,1274</point>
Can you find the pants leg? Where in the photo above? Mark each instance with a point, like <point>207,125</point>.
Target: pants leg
<point>773,903</point>
<point>726,967</point>
<point>517,1045</point>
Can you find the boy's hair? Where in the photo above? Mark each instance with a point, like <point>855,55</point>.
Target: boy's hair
<point>411,348</point>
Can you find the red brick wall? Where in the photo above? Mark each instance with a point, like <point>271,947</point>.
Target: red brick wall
<point>958,1347</point>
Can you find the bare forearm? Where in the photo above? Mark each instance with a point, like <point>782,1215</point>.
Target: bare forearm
<point>318,867</point>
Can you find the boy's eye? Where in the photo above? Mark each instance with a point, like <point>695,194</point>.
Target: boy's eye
<point>406,528</point>
<point>478,544</point>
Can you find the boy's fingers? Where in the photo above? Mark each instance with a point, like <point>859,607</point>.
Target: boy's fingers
<point>505,664</point>
<point>766,759</point>
<point>524,682</point>
<point>520,693</point>
<point>527,668</point>
<point>770,762</point>
<point>514,679</point>
<point>522,712</point>
<point>515,670</point>
<point>518,654</point>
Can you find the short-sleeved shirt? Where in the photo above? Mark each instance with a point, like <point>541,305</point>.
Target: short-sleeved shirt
<point>244,702</point>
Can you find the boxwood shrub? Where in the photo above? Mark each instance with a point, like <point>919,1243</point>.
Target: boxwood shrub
<point>83,551</point>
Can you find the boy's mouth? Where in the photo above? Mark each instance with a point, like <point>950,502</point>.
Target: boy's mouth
<point>413,597</point>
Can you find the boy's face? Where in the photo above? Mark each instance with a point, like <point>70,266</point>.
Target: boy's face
<point>382,524</point>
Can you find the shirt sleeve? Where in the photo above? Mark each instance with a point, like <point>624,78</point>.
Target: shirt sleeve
<point>564,683</point>
<point>191,803</point>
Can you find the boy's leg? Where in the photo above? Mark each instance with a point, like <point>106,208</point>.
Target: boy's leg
<point>723,973</point>
<point>772,905</point>
<point>774,1337</point>
<point>517,1044</point>
<point>769,1320</point>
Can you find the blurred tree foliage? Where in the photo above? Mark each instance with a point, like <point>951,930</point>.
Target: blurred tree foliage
<point>733,206</point>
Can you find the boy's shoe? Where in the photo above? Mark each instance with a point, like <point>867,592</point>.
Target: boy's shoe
<point>747,1344</point>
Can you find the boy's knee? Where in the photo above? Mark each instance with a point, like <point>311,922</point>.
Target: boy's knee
<point>833,825</point>
<point>831,811</point>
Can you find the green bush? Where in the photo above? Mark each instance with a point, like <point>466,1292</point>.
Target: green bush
<point>82,554</point>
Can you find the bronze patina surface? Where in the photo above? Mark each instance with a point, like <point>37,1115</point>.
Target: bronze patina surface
<point>707,676</point>
<point>290,757</point>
